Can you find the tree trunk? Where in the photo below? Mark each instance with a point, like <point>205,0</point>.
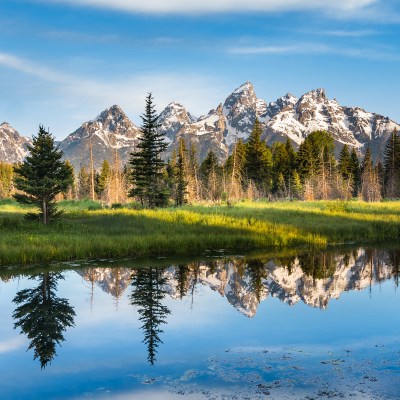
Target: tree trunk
<point>45,212</point>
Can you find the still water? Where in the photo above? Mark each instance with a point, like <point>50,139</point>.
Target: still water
<point>295,325</point>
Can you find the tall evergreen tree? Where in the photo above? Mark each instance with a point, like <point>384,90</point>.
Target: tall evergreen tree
<point>317,148</point>
<point>392,166</point>
<point>355,172</point>
<point>43,317</point>
<point>103,178</point>
<point>147,295</point>
<point>42,176</point>
<point>146,163</point>
<point>181,172</point>
<point>344,164</point>
<point>83,183</point>
<point>258,160</point>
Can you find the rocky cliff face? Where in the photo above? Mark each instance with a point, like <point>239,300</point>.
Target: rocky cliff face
<point>13,146</point>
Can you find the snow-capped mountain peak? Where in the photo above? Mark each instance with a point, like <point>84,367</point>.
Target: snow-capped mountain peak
<point>13,146</point>
<point>109,132</point>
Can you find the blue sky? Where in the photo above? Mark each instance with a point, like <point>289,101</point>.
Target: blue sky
<point>63,61</point>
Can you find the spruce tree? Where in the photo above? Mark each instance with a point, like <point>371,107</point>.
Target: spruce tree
<point>83,183</point>
<point>42,176</point>
<point>344,164</point>
<point>103,178</point>
<point>258,160</point>
<point>392,166</point>
<point>146,163</point>
<point>355,172</point>
<point>181,183</point>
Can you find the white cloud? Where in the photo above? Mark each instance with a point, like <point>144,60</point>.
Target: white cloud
<point>315,48</point>
<point>280,49</point>
<point>76,99</point>
<point>12,344</point>
<point>344,33</point>
<point>30,68</point>
<point>218,6</point>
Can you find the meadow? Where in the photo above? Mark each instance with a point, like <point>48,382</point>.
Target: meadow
<point>88,231</point>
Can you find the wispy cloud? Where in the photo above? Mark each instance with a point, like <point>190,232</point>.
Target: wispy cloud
<point>31,68</point>
<point>9,345</point>
<point>82,98</point>
<point>112,39</point>
<point>280,49</point>
<point>348,33</point>
<point>218,6</point>
<point>315,48</point>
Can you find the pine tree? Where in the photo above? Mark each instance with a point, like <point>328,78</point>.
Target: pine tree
<point>258,160</point>
<point>181,172</point>
<point>316,151</point>
<point>344,164</point>
<point>146,163</point>
<point>296,187</point>
<point>392,166</point>
<point>355,172</point>
<point>104,177</point>
<point>283,157</point>
<point>42,316</point>
<point>42,176</point>
<point>83,183</point>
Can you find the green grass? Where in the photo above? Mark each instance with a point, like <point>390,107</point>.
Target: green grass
<point>88,231</point>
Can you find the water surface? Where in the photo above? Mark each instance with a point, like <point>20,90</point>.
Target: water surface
<point>299,324</point>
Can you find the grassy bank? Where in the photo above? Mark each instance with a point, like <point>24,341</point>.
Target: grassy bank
<point>89,232</point>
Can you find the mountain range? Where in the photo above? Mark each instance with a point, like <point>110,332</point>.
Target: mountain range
<point>112,136</point>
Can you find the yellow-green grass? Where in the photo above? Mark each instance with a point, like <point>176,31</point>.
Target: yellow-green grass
<point>85,232</point>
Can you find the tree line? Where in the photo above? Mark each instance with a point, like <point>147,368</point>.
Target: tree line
<point>253,170</point>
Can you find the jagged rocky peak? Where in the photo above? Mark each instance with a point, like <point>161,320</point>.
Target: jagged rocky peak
<point>284,103</point>
<point>172,119</point>
<point>242,102</point>
<point>240,110</point>
<point>317,95</point>
<point>176,111</point>
<point>13,146</point>
<point>113,119</point>
<point>109,132</point>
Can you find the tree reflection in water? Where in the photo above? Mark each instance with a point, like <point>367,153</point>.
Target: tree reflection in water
<point>147,295</point>
<point>42,316</point>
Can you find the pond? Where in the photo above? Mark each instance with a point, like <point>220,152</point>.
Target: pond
<point>298,324</point>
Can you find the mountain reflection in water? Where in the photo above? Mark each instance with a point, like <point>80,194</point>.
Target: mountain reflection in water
<point>310,277</point>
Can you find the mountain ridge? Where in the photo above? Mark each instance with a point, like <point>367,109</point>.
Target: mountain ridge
<point>113,136</point>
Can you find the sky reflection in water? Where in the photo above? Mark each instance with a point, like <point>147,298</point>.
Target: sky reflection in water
<point>211,328</point>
